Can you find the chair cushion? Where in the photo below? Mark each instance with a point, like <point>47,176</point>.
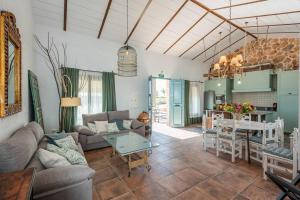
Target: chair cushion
<point>279,151</point>
<point>241,130</point>
<point>229,136</point>
<point>211,131</point>
<point>91,118</point>
<point>258,139</point>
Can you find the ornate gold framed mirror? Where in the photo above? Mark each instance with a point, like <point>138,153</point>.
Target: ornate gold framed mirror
<point>10,65</point>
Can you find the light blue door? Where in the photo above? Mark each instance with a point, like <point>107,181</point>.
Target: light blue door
<point>177,103</point>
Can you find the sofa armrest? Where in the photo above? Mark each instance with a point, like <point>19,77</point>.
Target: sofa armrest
<point>138,127</point>
<point>84,130</point>
<point>61,177</point>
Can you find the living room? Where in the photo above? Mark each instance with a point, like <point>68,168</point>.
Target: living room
<point>150,99</point>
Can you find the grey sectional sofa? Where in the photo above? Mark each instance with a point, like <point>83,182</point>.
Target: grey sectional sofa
<point>90,140</point>
<point>20,151</point>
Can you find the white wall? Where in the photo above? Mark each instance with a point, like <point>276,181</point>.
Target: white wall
<point>23,13</point>
<point>87,52</point>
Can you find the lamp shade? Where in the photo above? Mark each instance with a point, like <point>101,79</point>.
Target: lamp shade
<point>127,61</point>
<point>216,66</point>
<point>239,58</point>
<point>70,102</point>
<point>223,60</point>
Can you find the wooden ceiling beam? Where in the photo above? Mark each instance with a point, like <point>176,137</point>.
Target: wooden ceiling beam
<point>270,25</point>
<point>214,44</point>
<point>186,32</point>
<point>104,18</point>
<point>221,17</point>
<point>65,14</point>
<point>138,21</point>
<point>201,39</point>
<point>165,26</point>
<point>225,48</point>
<point>266,15</point>
<point>239,4</point>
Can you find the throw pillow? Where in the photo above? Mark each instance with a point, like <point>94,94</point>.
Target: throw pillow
<point>55,136</point>
<point>74,157</point>
<point>127,124</point>
<point>92,127</point>
<point>119,123</point>
<point>101,126</point>
<point>51,160</point>
<point>112,127</point>
<point>67,143</point>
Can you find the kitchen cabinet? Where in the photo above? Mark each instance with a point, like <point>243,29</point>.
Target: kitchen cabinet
<point>220,87</point>
<point>288,110</point>
<point>288,98</point>
<point>288,82</point>
<point>258,81</point>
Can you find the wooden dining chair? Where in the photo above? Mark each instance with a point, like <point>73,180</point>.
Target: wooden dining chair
<point>280,127</point>
<point>228,141</point>
<point>210,134</point>
<point>268,138</point>
<point>279,158</point>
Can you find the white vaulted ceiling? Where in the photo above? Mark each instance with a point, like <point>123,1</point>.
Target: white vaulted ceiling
<point>188,34</point>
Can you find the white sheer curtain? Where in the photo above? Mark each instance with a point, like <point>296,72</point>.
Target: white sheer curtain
<point>195,102</point>
<point>90,92</point>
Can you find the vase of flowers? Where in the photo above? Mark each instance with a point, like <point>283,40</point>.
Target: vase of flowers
<point>238,110</point>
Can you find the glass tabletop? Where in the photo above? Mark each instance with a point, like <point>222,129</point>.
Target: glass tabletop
<point>128,143</point>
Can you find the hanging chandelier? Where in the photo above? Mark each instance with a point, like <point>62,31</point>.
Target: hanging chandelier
<point>232,63</point>
<point>127,57</point>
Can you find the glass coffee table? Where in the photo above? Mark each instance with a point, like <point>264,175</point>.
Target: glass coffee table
<point>132,147</point>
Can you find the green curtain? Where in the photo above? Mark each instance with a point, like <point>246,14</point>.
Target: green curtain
<point>69,114</point>
<point>186,102</point>
<point>109,92</point>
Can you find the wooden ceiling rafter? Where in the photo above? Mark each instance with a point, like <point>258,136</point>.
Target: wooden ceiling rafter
<point>239,4</point>
<point>104,18</point>
<point>270,25</point>
<point>225,48</point>
<point>65,14</point>
<point>214,44</point>
<point>221,17</point>
<point>201,38</point>
<point>138,21</point>
<point>188,30</point>
<point>170,20</point>
<point>266,15</point>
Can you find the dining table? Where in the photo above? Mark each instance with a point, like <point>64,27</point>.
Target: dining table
<point>248,126</point>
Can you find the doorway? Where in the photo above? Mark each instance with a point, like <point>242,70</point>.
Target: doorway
<point>160,105</point>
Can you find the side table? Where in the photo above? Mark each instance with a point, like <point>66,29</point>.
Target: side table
<point>17,185</point>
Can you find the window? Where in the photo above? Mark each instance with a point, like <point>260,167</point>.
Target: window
<point>195,91</point>
<point>90,92</point>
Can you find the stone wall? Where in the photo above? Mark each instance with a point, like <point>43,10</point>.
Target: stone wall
<point>283,53</point>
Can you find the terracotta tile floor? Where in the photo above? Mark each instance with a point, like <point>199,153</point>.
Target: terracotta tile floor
<point>181,169</point>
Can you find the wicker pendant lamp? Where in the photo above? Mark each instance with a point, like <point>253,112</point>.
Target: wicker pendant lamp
<point>127,57</point>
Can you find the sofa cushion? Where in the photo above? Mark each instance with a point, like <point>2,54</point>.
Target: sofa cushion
<point>67,143</point>
<point>127,124</point>
<point>37,130</point>
<point>16,151</point>
<point>36,163</point>
<point>91,118</point>
<point>74,157</point>
<point>101,126</point>
<point>119,123</point>
<point>112,127</point>
<point>52,160</point>
<point>114,115</point>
